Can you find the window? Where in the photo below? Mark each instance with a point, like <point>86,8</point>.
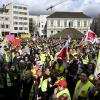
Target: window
<point>51,32</point>
<point>20,18</point>
<point>15,17</point>
<point>6,18</point>
<point>51,23</point>
<point>42,26</point>
<point>23,13</point>
<point>15,28</point>
<point>20,7</point>
<point>65,23</point>
<point>58,23</point>
<point>20,23</point>
<point>14,6</point>
<point>25,8</point>
<point>25,28</point>
<point>25,23</point>
<point>7,26</point>
<point>15,23</point>
<point>78,24</point>
<point>25,18</point>
<point>20,28</point>
<point>2,26</point>
<point>71,24</point>
<point>85,23</point>
<point>15,12</point>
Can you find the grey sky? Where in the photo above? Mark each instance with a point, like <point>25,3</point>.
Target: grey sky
<point>90,7</point>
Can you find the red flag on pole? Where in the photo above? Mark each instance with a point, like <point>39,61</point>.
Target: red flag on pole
<point>63,52</point>
<point>90,37</point>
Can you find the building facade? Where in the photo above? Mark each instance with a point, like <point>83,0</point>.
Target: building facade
<point>38,24</point>
<point>15,20</point>
<point>58,21</point>
<point>33,25</point>
<point>19,18</point>
<point>4,22</point>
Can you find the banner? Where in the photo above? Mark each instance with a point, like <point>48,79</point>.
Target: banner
<point>16,42</point>
<point>10,37</point>
<point>25,36</point>
<point>97,70</point>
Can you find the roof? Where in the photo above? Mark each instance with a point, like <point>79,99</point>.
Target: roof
<point>73,33</point>
<point>68,15</point>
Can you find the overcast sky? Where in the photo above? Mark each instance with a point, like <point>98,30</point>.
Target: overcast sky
<point>89,7</point>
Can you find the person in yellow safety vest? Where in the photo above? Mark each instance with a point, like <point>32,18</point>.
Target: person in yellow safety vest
<point>62,92</point>
<point>8,90</point>
<point>8,79</point>
<point>59,65</point>
<point>45,85</point>
<point>85,60</point>
<point>82,88</point>
<point>43,57</point>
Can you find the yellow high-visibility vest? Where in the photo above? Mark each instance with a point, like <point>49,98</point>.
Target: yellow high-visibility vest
<point>83,92</point>
<point>43,58</point>
<point>43,84</point>
<point>85,61</point>
<point>8,80</point>
<point>64,92</point>
<point>6,57</point>
<point>60,68</point>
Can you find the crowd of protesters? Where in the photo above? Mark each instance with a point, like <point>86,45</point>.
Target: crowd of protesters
<point>35,74</point>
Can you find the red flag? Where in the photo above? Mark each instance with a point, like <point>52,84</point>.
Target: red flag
<point>63,53</point>
<point>90,36</point>
<point>16,42</point>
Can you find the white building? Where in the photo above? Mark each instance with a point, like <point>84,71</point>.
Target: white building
<point>4,22</point>
<point>19,18</point>
<point>58,21</point>
<point>33,24</point>
<point>38,24</point>
<point>43,24</point>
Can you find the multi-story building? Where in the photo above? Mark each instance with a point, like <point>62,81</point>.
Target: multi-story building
<point>58,21</point>
<point>43,24</point>
<point>33,25</point>
<point>38,24</point>
<point>19,18</point>
<point>4,22</point>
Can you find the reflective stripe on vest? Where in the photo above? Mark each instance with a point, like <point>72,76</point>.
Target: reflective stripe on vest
<point>43,57</point>
<point>63,92</point>
<point>6,57</point>
<point>8,80</point>
<point>85,61</point>
<point>84,90</point>
<point>43,84</point>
